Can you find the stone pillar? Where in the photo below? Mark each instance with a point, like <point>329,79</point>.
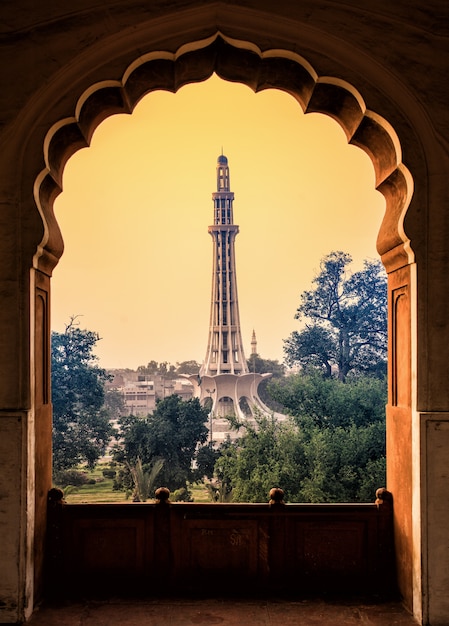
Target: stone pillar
<point>431,423</point>
<point>400,425</point>
<point>25,406</point>
<point>16,425</point>
<point>43,421</point>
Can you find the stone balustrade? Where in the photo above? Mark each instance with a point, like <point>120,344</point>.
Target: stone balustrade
<point>343,549</point>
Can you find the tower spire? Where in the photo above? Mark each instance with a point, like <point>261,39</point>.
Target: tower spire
<point>224,382</point>
<point>224,354</point>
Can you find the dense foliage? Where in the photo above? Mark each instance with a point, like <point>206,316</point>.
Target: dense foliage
<point>331,450</point>
<point>345,319</point>
<point>266,366</point>
<point>171,433</point>
<point>328,402</point>
<point>81,423</point>
<point>167,370</point>
<point>114,402</point>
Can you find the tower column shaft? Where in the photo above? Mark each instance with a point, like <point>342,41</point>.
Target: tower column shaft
<point>224,354</point>
<point>224,381</point>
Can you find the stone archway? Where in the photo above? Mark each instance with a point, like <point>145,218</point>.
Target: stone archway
<point>241,61</point>
<point>165,49</point>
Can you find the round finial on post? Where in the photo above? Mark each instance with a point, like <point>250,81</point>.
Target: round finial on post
<point>162,495</point>
<point>56,496</point>
<point>276,496</point>
<point>383,496</point>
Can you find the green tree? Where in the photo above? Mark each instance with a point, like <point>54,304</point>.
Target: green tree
<point>265,366</point>
<point>329,402</point>
<point>206,458</point>
<point>341,464</point>
<point>310,463</point>
<point>265,456</point>
<point>259,365</point>
<point>114,403</point>
<point>331,450</point>
<point>187,367</point>
<point>346,320</point>
<point>313,346</point>
<point>153,368</point>
<point>81,424</point>
<point>144,479</point>
<point>171,433</point>
<point>167,370</point>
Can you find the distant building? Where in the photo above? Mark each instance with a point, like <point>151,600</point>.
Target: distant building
<point>140,392</point>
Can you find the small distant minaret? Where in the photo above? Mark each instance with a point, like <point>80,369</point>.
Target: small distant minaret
<point>224,354</point>
<point>253,343</point>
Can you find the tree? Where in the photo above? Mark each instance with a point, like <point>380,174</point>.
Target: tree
<point>310,463</point>
<point>329,402</point>
<point>346,320</point>
<point>167,370</point>
<point>114,403</point>
<point>164,369</point>
<point>187,367</point>
<point>341,464</point>
<point>81,425</point>
<point>266,366</point>
<point>171,433</point>
<point>206,457</point>
<point>331,450</point>
<point>265,456</point>
<point>145,480</point>
<point>314,346</point>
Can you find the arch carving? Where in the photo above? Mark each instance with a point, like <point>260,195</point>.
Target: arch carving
<point>235,61</point>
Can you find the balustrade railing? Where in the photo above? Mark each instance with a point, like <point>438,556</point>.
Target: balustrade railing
<point>339,549</point>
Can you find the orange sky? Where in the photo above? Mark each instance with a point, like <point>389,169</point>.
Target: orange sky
<point>136,206</point>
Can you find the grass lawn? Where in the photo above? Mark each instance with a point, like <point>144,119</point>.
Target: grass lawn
<point>199,493</point>
<point>89,494</point>
<point>102,492</point>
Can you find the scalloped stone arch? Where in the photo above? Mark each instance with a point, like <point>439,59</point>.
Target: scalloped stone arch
<point>79,79</point>
<point>241,61</point>
<point>235,61</point>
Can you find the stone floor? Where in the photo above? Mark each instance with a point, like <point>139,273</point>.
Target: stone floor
<point>207,612</point>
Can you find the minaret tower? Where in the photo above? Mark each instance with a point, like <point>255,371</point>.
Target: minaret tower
<point>253,344</point>
<point>224,382</point>
<point>224,354</point>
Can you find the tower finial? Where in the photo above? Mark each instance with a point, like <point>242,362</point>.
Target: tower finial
<point>223,182</point>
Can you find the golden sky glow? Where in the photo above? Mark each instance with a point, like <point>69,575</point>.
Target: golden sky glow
<point>136,206</point>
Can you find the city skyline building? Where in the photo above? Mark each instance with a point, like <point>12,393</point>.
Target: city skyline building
<point>225,384</point>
